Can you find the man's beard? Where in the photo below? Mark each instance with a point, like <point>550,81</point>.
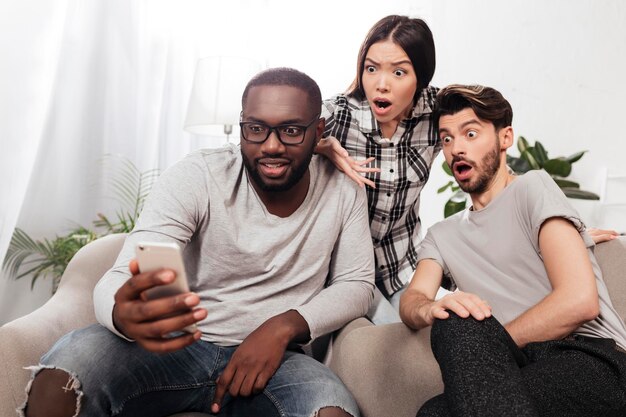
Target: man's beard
<point>489,165</point>
<point>295,176</point>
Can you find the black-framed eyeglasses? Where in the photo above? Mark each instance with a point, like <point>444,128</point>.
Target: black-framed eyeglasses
<point>288,134</point>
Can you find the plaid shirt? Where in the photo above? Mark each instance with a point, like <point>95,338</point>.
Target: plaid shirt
<point>404,161</point>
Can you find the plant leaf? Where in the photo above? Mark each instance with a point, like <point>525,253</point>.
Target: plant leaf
<point>459,196</point>
<point>580,194</point>
<point>558,166</point>
<point>445,187</point>
<point>575,157</point>
<point>522,144</point>
<point>565,183</point>
<point>518,165</point>
<point>453,207</point>
<point>446,168</point>
<point>540,153</point>
<point>530,158</point>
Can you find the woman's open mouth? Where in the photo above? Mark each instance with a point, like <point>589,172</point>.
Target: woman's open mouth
<point>381,106</point>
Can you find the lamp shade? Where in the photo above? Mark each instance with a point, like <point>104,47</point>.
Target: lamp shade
<point>215,97</point>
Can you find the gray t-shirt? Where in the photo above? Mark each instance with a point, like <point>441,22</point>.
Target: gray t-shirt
<point>246,264</point>
<point>494,252</point>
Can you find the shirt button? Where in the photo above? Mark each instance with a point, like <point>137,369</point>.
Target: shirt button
<point>388,194</point>
<point>376,240</point>
<point>384,219</point>
<point>382,267</point>
<point>391,170</point>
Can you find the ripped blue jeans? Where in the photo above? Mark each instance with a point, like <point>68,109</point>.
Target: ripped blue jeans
<point>114,377</point>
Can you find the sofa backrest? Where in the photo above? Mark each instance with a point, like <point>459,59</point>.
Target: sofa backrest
<point>611,257</point>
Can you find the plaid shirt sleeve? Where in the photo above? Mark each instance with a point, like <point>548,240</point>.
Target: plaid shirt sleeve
<point>405,161</point>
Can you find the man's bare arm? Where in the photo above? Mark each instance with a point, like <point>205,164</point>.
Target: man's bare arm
<point>574,297</point>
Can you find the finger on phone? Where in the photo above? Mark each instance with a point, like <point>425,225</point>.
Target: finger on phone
<point>163,309</point>
<point>136,284</point>
<point>133,266</point>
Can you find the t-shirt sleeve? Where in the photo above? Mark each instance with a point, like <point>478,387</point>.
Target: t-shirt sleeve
<point>428,249</point>
<point>544,200</point>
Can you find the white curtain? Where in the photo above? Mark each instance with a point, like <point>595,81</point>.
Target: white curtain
<point>82,78</point>
<point>29,46</point>
<point>110,77</point>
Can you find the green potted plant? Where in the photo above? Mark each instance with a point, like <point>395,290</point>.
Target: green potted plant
<point>49,257</point>
<point>531,157</point>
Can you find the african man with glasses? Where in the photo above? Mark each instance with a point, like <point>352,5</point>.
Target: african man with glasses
<point>274,240</point>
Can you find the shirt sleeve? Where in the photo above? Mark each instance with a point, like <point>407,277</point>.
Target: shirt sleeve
<point>171,213</point>
<point>428,249</point>
<point>350,285</point>
<point>544,200</point>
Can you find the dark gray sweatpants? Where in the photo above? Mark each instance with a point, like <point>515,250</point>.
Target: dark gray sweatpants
<point>485,374</point>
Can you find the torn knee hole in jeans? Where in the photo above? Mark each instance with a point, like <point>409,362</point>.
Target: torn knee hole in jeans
<point>73,384</point>
<point>334,407</point>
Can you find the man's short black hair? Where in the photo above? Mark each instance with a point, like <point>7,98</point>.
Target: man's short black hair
<point>290,77</point>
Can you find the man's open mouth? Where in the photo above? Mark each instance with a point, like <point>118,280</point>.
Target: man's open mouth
<point>461,169</point>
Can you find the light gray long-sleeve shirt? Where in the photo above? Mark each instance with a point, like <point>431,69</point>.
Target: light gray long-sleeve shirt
<point>246,264</point>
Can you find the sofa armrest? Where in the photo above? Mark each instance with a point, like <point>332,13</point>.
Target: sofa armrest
<point>24,340</point>
<point>389,369</point>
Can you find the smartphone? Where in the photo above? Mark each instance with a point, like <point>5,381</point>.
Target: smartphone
<point>157,255</point>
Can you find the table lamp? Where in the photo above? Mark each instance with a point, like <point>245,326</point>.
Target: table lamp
<point>215,97</point>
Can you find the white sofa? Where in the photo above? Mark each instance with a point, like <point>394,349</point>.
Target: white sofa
<point>389,369</point>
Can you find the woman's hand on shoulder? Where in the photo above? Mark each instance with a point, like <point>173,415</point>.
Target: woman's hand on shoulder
<point>602,235</point>
<point>332,149</point>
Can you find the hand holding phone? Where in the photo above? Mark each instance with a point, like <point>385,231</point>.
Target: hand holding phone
<point>154,256</point>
